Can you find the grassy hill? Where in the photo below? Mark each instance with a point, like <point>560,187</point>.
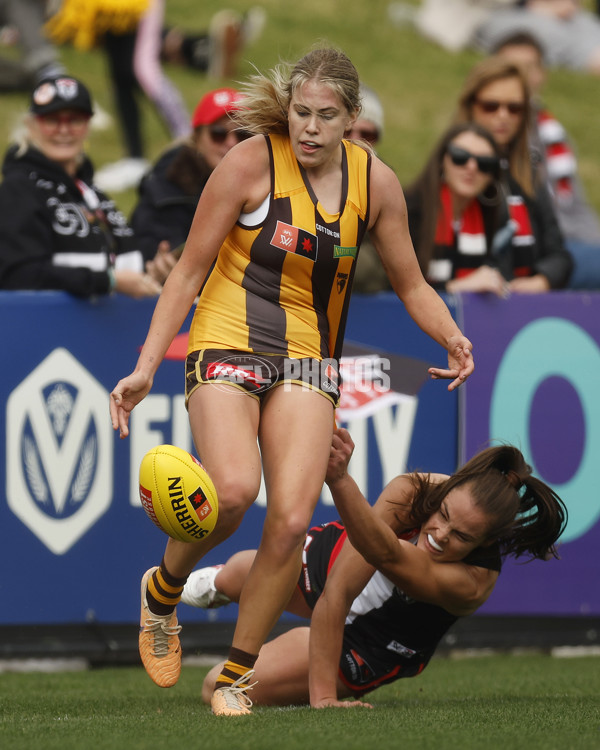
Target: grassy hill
<point>417,81</point>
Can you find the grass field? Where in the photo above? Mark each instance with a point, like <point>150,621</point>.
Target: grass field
<point>417,81</point>
<point>503,702</point>
<point>495,702</point>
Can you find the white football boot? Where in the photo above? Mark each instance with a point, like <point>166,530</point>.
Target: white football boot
<point>200,591</point>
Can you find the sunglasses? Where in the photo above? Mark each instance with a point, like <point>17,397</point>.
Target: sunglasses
<point>53,121</point>
<point>460,156</point>
<point>220,134</point>
<point>370,136</point>
<point>493,105</point>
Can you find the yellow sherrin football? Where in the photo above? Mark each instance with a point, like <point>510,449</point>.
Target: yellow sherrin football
<point>177,493</point>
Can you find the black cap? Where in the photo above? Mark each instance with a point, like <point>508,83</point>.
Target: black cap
<point>62,92</point>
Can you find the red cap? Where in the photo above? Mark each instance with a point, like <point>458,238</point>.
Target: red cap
<point>214,105</point>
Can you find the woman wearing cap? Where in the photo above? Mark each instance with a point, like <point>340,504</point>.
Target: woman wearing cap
<point>169,193</point>
<point>57,231</point>
<point>454,212</point>
<point>283,214</point>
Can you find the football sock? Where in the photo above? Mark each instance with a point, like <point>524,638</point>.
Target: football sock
<point>238,664</point>
<point>164,591</point>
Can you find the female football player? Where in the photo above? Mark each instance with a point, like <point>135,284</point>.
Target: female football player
<point>282,216</point>
<point>428,552</point>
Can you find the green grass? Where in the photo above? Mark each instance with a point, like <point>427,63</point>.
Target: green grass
<point>502,702</point>
<point>417,81</point>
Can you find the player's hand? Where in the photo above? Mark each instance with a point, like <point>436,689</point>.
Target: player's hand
<point>341,451</point>
<point>127,394</point>
<point>460,362</point>
<point>335,703</point>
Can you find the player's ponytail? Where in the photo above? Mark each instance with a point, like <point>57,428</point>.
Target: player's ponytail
<point>540,521</point>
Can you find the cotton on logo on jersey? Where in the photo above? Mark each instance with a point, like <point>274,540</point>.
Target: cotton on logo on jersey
<point>59,451</point>
<point>293,240</point>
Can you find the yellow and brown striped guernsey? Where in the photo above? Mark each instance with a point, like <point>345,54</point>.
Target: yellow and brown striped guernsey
<point>283,286</point>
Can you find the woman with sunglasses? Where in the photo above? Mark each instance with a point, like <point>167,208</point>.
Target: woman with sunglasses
<point>57,230</point>
<point>283,215</point>
<point>453,212</point>
<point>169,193</point>
<point>529,246</point>
<point>433,546</point>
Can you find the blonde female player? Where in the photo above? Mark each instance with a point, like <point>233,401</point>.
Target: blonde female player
<point>283,214</point>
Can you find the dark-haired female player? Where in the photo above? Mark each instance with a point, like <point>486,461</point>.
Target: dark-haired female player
<point>428,552</point>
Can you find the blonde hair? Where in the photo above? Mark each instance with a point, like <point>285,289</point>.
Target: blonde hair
<point>267,98</point>
<point>490,70</point>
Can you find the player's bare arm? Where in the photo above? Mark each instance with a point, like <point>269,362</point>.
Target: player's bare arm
<point>349,575</point>
<point>235,186</point>
<point>391,237</point>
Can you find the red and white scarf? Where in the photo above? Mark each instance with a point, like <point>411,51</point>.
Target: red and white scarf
<point>560,159</point>
<point>461,246</point>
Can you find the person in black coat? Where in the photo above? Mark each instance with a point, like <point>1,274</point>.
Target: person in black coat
<point>57,230</point>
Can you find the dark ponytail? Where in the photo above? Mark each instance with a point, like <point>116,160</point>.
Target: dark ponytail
<point>526,516</point>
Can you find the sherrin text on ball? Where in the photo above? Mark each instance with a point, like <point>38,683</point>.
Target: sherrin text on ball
<point>177,493</point>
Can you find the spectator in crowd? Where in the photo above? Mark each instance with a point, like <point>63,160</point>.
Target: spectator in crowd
<point>454,211</point>
<point>433,547</point>
<point>568,33</point>
<point>496,96</point>
<point>57,231</point>
<point>450,23</point>
<point>197,49</point>
<point>551,146</point>
<point>169,193</point>
<point>131,34</point>
<point>370,275</point>
<point>39,58</point>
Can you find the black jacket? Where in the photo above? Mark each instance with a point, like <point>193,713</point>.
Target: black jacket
<point>168,196</point>
<point>548,254</point>
<point>51,237</point>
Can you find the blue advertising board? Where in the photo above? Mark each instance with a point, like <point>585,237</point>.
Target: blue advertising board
<point>72,530</point>
<point>536,386</point>
<point>75,540</point>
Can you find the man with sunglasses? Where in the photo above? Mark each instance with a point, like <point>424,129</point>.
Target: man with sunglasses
<point>169,193</point>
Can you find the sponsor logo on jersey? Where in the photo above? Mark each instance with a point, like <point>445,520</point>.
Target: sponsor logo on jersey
<point>398,648</point>
<point>294,240</point>
<point>344,252</point>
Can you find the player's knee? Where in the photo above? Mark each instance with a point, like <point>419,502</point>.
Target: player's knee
<point>235,495</point>
<point>289,531</point>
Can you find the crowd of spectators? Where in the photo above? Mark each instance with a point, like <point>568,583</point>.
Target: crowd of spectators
<point>497,207</point>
